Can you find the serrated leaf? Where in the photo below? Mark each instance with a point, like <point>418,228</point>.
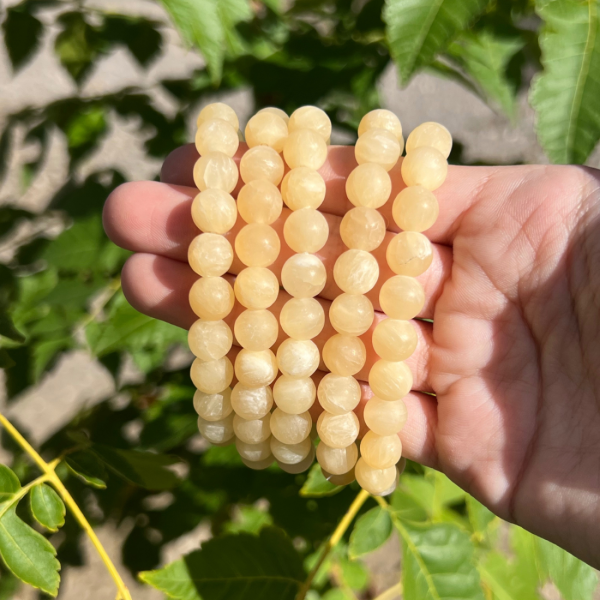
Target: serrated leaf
<point>88,468</point>
<point>317,486</point>
<point>22,33</point>
<point>9,483</point>
<point>47,507</point>
<point>565,95</point>
<point>370,532</point>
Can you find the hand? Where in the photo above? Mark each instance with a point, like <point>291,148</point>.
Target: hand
<point>513,355</point>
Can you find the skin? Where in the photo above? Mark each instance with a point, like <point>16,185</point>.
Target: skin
<point>513,355</point>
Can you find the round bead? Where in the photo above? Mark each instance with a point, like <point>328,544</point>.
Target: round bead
<point>402,297</point>
<point>338,395</point>
<point>300,467</point>
<point>257,245</point>
<point>215,170</point>
<point>217,135</point>
<point>218,110</point>
<point>351,314</point>
<point>305,148</point>
<point>259,202</point>
<point>255,368</point>
<point>430,134</point>
<point>290,429</point>
<point>381,118</point>
<point>210,255</point>
<point>338,431</point>
<point>252,431</point>
<point>302,318</point>
<point>374,481</point>
<point>275,111</point>
<point>362,228</point>
<point>256,329</point>
<point>415,209</point>
<point>212,376</point>
<point>210,340</point>
<point>378,146</point>
<point>259,465</point>
<point>266,129</point>
<point>313,118</point>
<point>306,230</point>
<point>337,461</point>
<point>298,358</point>
<point>217,432</point>
<point>409,253</point>
<point>385,418</point>
<point>261,162</point>
<point>294,396</point>
<point>344,479</point>
<point>251,403</point>
<point>344,354</point>
<point>303,188</point>
<point>380,451</point>
<point>256,288</point>
<point>211,298</point>
<point>253,452</point>
<point>390,380</point>
<point>356,271</point>
<point>213,407</point>
<point>394,339</point>
<point>369,185</point>
<point>424,166</point>
<point>290,454</point>
<point>214,211</point>
<point>303,275</point>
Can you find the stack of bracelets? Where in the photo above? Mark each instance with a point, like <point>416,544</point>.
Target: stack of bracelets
<point>268,423</point>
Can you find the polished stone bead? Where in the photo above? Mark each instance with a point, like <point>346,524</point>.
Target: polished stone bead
<point>424,166</point>
<point>256,288</point>
<point>251,403</point>
<point>344,479</point>
<point>409,253</point>
<point>300,467</point>
<point>302,318</point>
<point>351,314</point>
<point>217,135</point>
<point>211,298</point>
<point>294,396</point>
<point>210,340</point>
<point>218,110</point>
<point>430,134</point>
<point>261,162</point>
<point>380,118</point>
<point>266,129</point>
<point>210,255</point>
<point>259,465</point>
<point>369,185</point>
<point>290,454</point>
<point>255,368</point>
<point>305,148</point>
<point>259,202</point>
<point>257,245</point>
<point>217,432</point>
<point>394,339</point>
<point>385,417</point>
<point>212,376</point>
<point>380,451</point>
<point>356,271</point>
<point>362,228</point>
<point>215,170</point>
<point>290,429</point>
<point>374,481</point>
<point>390,380</point>
<point>338,395</point>
<point>415,209</point>
<point>254,452</point>
<point>337,461</point>
<point>298,358</point>
<point>378,146</point>
<point>402,297</point>
<point>214,211</point>
<point>213,407</point>
<point>303,188</point>
<point>275,111</point>
<point>306,230</point>
<point>313,118</point>
<point>252,431</point>
<point>344,354</point>
<point>303,275</point>
<point>338,431</point>
<point>256,329</point>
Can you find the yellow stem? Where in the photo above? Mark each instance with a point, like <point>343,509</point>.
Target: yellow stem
<point>390,593</point>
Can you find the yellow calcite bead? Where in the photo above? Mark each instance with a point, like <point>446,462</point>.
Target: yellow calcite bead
<point>217,135</point>
<point>266,129</point>
<point>344,354</point>
<point>337,461</point>
<point>218,110</point>
<point>217,432</point>
<point>298,358</point>
<point>215,170</point>
<point>302,318</point>
<point>415,209</point>
<point>256,329</point>
<point>213,407</point>
<point>294,396</point>
<point>338,431</point>
<point>257,245</point>
<point>259,202</point>
<point>214,211</point>
<point>374,481</point>
<point>385,418</point>
<point>338,395</point>
<point>261,162</point>
<point>290,429</point>
<point>306,230</point>
<point>369,185</point>
<point>275,111</point>
<point>343,479</point>
<point>255,368</point>
<point>351,314</point>
<point>253,452</point>
<point>402,297</point>
<point>251,403</point>
<point>211,298</point>
<point>381,118</point>
<point>430,134</point>
<point>313,118</point>
<point>390,380</point>
<point>290,454</point>
<point>305,148</point>
<point>409,253</point>
<point>380,451</point>
<point>252,431</point>
<point>424,166</point>
<point>303,188</point>
<point>212,376</point>
<point>210,340</point>
<point>303,275</point>
<point>394,339</point>
<point>259,465</point>
<point>300,467</point>
<point>378,146</point>
<point>210,255</point>
<point>356,271</point>
<point>256,288</point>
<point>362,228</point>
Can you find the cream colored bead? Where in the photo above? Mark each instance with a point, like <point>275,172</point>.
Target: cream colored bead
<point>385,417</point>
<point>303,188</point>
<point>266,129</point>
<point>252,431</point>
<point>275,111</point>
<point>211,298</point>
<point>217,135</point>
<point>218,110</point>
<point>255,368</point>
<point>259,465</point>
<point>369,185</point>
<point>380,451</point>
<point>257,245</point>
<point>362,228</point>
<point>303,275</point>
<point>217,432</point>
<point>338,395</point>
<point>294,396</point>
<point>430,134</point>
<point>306,230</point>
<point>215,170</point>
<point>305,148</point>
<point>298,358</point>
<point>290,454</point>
<point>290,429</point>
<point>338,431</point>
<point>210,255</point>
<point>261,162</point>
<point>402,297</point>
<point>424,166</point>
<point>374,481</point>
<point>409,253</point>
<point>210,340</point>
<point>256,329</point>
<point>351,314</point>
<point>212,376</point>
<point>380,118</point>
<point>356,271</point>
<point>340,480</point>
<point>251,403</point>
<point>256,288</point>
<point>254,452</point>
<point>313,118</point>
<point>415,209</point>
<point>302,318</point>
<point>344,354</point>
<point>390,380</point>
<point>214,211</point>
<point>337,461</point>
<point>213,407</point>
<point>259,202</point>
<point>378,146</point>
<point>394,339</point>
<point>300,467</point>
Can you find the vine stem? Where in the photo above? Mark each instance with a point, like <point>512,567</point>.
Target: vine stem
<point>50,475</point>
<point>390,593</point>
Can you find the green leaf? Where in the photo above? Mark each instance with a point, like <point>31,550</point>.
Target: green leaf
<point>249,519</point>
<point>45,351</point>
<point>370,532</point>
<point>47,507</point>
<point>88,468</point>
<point>22,33</point>
<point>354,574</point>
<point>413,498</point>
<point>9,483</point>
<point>317,486</point>
<point>417,30</point>
<point>8,329</point>
<point>480,517</point>
<point>86,126</point>
<point>236,567</point>
<point>565,95</point>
